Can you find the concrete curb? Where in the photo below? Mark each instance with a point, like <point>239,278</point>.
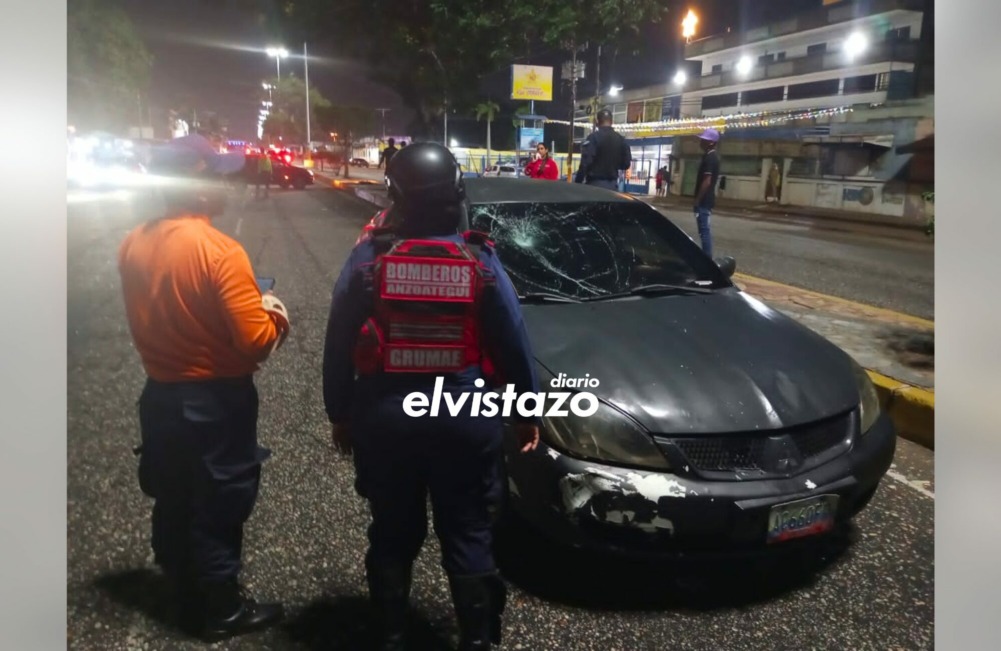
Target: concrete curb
<point>911,408</point>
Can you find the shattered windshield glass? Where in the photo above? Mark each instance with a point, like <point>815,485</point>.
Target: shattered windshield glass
<point>589,250</point>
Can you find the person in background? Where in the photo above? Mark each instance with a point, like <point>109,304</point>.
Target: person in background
<point>543,167</point>
<point>604,155</point>
<point>705,187</point>
<point>264,171</point>
<point>387,154</point>
<point>202,328</point>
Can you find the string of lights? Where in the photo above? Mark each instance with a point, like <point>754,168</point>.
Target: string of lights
<point>756,119</point>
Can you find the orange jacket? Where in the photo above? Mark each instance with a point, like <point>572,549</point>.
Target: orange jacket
<point>192,301</point>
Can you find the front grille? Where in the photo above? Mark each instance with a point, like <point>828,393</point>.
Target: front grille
<point>722,454</point>
<point>776,453</point>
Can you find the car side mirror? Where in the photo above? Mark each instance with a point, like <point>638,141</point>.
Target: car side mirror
<point>727,265</point>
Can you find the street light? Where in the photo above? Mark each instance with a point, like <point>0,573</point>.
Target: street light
<point>744,65</point>
<point>856,44</point>
<point>278,53</point>
<point>455,143</point>
<point>680,78</point>
<point>614,91</point>
<point>688,25</point>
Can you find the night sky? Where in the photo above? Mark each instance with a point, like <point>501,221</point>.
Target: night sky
<point>211,55</point>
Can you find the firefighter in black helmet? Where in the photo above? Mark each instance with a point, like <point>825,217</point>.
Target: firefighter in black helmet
<point>404,332</point>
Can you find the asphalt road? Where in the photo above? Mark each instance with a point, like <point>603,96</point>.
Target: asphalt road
<point>870,588</point>
<point>886,267</point>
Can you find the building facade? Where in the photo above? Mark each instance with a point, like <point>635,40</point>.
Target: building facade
<point>855,74</point>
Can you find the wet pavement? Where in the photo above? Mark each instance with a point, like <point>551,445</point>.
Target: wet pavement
<point>871,587</point>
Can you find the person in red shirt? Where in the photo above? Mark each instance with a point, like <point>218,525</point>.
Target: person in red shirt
<point>202,328</point>
<point>543,167</point>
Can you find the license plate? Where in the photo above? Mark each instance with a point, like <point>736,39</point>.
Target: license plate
<point>809,517</point>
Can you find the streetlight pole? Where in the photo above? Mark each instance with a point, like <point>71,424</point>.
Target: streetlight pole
<point>383,111</point>
<point>277,53</point>
<point>305,57</point>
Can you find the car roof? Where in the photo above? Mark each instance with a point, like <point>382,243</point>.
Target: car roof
<point>508,190</point>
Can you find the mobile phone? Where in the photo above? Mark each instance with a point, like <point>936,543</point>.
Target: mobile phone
<point>266,284</point>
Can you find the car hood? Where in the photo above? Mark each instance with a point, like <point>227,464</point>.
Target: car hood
<point>695,364</point>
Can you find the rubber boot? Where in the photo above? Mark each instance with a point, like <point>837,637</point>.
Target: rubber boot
<point>479,603</point>
<point>389,589</point>
<point>230,611</point>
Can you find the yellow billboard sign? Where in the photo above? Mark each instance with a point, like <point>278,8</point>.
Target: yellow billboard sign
<point>532,83</point>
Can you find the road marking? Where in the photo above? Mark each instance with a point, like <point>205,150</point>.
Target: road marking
<point>239,222</point>
<point>912,483</point>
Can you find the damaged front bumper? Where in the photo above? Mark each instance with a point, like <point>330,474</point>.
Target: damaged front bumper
<point>592,505</point>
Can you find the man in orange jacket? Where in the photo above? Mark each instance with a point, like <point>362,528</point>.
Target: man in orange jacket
<point>202,328</point>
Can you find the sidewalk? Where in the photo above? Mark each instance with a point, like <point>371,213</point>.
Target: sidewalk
<point>897,349</point>
<point>777,212</point>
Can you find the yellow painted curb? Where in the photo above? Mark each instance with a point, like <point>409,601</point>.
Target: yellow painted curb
<point>911,408</point>
<point>900,316</point>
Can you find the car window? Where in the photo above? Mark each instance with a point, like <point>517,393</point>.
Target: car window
<point>588,250</point>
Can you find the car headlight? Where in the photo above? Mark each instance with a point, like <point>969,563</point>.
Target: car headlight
<point>606,435</point>
<point>868,398</point>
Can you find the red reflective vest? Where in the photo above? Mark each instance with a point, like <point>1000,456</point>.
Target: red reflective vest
<point>427,296</point>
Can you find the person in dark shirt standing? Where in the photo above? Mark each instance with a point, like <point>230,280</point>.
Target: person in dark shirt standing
<point>388,153</point>
<point>705,187</point>
<point>603,155</point>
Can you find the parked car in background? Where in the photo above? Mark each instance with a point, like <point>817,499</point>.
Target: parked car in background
<point>360,162</point>
<point>502,169</point>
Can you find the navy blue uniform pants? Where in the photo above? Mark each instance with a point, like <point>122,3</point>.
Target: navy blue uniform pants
<point>401,460</point>
<point>608,184</point>
<point>201,463</point>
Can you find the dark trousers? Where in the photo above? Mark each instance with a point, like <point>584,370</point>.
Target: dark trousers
<point>400,460</point>
<point>608,184</point>
<point>201,463</point>
<point>263,178</point>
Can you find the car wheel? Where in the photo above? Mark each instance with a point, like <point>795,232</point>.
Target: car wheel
<point>300,184</point>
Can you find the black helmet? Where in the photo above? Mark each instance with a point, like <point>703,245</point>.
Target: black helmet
<point>425,174</point>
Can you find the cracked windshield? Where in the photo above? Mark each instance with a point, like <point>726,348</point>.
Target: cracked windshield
<point>590,250</point>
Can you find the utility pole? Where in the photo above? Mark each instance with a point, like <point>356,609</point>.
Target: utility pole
<point>573,108</point>
<point>383,111</point>
<point>597,81</point>
<point>309,134</point>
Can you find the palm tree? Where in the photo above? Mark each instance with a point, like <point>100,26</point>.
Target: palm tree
<point>487,109</point>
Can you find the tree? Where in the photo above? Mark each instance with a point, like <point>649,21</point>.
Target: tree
<point>287,117</point>
<point>434,53</point>
<point>487,110</point>
<point>349,122</point>
<point>108,66</point>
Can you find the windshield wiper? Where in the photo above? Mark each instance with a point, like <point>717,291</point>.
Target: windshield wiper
<point>543,297</point>
<point>655,290</point>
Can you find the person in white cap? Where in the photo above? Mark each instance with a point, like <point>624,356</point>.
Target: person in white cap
<point>201,327</point>
<point>705,187</point>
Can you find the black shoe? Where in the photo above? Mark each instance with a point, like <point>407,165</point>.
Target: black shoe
<point>389,588</point>
<point>479,603</point>
<point>230,611</point>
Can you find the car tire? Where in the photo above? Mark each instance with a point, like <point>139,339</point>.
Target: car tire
<point>299,184</point>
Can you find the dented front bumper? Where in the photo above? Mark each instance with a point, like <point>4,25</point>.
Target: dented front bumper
<point>638,512</point>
